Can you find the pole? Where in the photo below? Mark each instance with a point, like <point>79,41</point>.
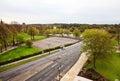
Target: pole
<point>59,73</point>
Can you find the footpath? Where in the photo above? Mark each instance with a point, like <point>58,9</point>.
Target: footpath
<point>73,72</point>
<point>8,48</point>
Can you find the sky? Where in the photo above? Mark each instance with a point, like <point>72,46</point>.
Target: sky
<point>60,11</point>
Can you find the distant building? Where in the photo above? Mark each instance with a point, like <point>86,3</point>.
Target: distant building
<point>54,27</point>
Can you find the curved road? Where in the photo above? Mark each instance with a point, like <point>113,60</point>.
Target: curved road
<point>61,62</point>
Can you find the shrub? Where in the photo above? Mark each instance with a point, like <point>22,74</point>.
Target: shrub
<point>29,43</point>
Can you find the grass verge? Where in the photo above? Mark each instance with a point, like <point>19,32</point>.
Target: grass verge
<point>17,53</point>
<point>24,61</point>
<point>53,50</point>
<point>110,69</point>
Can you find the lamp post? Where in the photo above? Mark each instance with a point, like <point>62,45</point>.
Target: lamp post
<point>59,72</point>
<point>59,69</point>
<point>49,48</point>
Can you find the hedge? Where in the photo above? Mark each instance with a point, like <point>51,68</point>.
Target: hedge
<point>30,55</point>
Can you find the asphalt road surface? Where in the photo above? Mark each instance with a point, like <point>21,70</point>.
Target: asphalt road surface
<point>53,42</point>
<point>62,62</point>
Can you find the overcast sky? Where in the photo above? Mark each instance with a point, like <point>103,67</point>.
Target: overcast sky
<point>61,11</point>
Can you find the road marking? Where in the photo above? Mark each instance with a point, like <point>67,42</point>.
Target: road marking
<point>54,65</point>
<point>24,76</point>
<point>40,79</point>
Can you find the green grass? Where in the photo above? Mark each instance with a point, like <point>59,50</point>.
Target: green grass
<point>110,69</point>
<point>18,52</point>
<point>40,37</point>
<point>115,43</point>
<point>26,36</point>
<point>24,61</point>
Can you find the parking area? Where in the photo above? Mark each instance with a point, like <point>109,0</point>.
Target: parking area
<point>53,42</point>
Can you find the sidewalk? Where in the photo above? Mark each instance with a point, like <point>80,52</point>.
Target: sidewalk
<point>8,48</point>
<point>73,72</point>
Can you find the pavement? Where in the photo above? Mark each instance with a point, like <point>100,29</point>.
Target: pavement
<point>53,42</point>
<point>47,68</point>
<point>8,48</point>
<point>79,78</point>
<point>73,72</point>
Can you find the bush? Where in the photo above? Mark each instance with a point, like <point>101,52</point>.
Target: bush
<point>20,39</point>
<point>29,43</point>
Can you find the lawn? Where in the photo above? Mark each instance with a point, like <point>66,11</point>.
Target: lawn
<point>26,36</point>
<point>18,52</point>
<point>110,69</point>
<point>38,37</point>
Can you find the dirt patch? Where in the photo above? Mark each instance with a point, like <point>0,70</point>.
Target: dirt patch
<point>93,75</point>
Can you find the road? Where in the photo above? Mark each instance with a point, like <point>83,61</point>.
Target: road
<point>62,61</point>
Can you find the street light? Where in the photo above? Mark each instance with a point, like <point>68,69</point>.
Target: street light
<point>49,47</point>
<point>59,69</point>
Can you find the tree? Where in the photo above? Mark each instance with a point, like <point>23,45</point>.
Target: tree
<point>66,32</point>
<point>76,32</point>
<point>29,43</point>
<point>0,47</point>
<point>47,32</point>
<point>98,42</point>
<point>61,32</point>
<point>53,31</point>
<point>5,35</point>
<point>20,38</point>
<point>32,31</point>
<point>118,35</point>
<point>14,33</point>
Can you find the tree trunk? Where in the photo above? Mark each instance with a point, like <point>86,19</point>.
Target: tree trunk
<point>13,42</point>
<point>119,47</point>
<point>5,45</point>
<point>33,37</point>
<point>1,49</point>
<point>94,61</point>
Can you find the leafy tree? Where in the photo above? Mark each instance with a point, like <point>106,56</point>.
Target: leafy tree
<point>0,47</point>
<point>5,35</point>
<point>20,39</point>
<point>66,32</point>
<point>118,35</point>
<point>61,32</point>
<point>32,31</point>
<point>53,31</point>
<point>76,32</point>
<point>98,42</point>
<point>29,43</point>
<point>57,31</point>
<point>14,33</point>
<point>47,32</point>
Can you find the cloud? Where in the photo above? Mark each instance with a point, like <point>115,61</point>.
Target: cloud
<point>53,11</point>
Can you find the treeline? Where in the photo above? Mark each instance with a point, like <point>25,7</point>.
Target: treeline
<point>10,34</point>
